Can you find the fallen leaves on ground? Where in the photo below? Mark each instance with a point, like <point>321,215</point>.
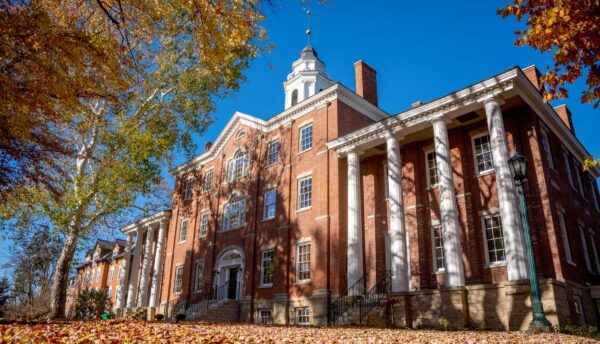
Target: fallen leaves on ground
<point>125,331</point>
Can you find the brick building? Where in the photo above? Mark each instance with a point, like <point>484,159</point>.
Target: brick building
<point>279,219</point>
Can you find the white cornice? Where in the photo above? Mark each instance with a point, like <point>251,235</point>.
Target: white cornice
<point>336,91</point>
<point>162,216</point>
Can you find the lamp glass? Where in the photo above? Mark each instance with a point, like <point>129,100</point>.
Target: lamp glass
<point>518,166</point>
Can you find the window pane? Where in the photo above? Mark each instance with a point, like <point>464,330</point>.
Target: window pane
<point>306,138</point>
<point>270,203</point>
<point>438,247</point>
<point>432,169</point>
<point>305,193</point>
<point>272,152</point>
<point>483,153</point>
<point>494,239</point>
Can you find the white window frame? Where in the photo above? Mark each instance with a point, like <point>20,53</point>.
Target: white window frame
<point>178,283</point>
<point>595,251</point>
<point>567,159</point>
<point>263,273</point>
<point>203,226</point>
<point>302,139</point>
<point>546,146</point>
<point>237,166</point>
<point>475,159</point>
<point>584,246</point>
<point>303,274</point>
<point>578,170</point>
<point>302,313</point>
<point>268,206</point>
<point>183,230</point>
<point>109,292</point>
<point>111,274</point>
<point>428,169</point>
<point>436,267</point>
<point>121,271</point>
<point>207,182</point>
<point>264,316</point>
<point>188,186</point>
<point>273,152</point>
<point>240,206</point>
<point>198,277</point>
<point>562,223</point>
<point>307,202</point>
<point>489,263</point>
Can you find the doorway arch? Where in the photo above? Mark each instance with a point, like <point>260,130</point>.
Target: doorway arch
<point>229,270</point>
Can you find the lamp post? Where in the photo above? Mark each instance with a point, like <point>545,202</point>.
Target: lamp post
<point>518,167</point>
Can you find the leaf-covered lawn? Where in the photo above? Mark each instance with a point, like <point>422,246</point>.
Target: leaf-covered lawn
<point>135,331</point>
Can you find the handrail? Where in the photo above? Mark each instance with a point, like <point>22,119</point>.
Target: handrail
<point>199,301</point>
<point>346,301</point>
<point>374,296</point>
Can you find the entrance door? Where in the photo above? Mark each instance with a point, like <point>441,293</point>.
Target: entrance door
<point>232,284</point>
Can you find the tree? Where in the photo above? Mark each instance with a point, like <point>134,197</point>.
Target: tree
<point>32,266</point>
<point>58,56</point>
<point>176,59</point>
<point>91,303</point>
<point>570,30</point>
<point>4,294</point>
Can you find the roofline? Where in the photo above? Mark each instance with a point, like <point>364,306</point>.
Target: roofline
<point>158,217</point>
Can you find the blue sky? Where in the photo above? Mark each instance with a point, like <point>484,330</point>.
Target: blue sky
<point>421,51</point>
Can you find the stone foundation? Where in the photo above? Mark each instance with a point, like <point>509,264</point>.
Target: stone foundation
<point>283,308</point>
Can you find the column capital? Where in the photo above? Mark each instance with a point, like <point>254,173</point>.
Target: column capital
<point>491,98</point>
<point>440,117</point>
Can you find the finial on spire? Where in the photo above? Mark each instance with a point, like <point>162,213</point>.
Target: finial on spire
<point>308,30</point>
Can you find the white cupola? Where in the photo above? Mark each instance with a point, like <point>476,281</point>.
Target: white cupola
<point>307,78</point>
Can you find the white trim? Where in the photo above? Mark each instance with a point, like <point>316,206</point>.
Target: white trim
<point>562,223</point>
<point>312,137</point>
<point>298,245</point>
<point>299,181</point>
<point>489,264</point>
<point>436,269</point>
<point>187,226</point>
<point>262,270</point>
<point>475,163</point>
<point>428,173</point>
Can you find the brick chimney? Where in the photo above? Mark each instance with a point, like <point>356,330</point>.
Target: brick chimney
<point>565,114</point>
<point>366,82</point>
<point>535,77</point>
<point>207,146</point>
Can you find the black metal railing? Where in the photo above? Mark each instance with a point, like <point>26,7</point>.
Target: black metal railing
<point>201,300</point>
<point>344,302</point>
<point>375,295</point>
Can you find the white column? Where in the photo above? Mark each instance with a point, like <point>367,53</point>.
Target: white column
<point>125,268</point>
<point>135,264</point>
<point>146,265</point>
<point>158,261</point>
<point>507,194</point>
<point>355,254</point>
<point>400,262</point>
<point>453,264</point>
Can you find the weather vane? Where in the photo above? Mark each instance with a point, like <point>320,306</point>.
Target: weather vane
<point>308,31</point>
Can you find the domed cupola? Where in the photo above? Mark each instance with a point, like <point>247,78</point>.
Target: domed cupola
<point>307,78</point>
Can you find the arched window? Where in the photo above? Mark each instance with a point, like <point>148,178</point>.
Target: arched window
<point>238,166</point>
<point>240,134</point>
<point>294,97</point>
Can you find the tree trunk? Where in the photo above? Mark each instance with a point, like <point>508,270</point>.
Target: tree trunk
<point>58,293</point>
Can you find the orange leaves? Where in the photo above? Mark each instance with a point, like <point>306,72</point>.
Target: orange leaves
<point>570,30</point>
<point>118,331</point>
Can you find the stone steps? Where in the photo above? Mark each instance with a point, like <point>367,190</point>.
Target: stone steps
<point>221,311</point>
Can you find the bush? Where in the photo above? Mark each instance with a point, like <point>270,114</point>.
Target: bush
<point>159,317</point>
<point>180,317</point>
<point>92,303</point>
<point>588,332</point>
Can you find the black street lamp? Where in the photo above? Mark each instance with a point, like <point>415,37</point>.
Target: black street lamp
<point>518,167</point>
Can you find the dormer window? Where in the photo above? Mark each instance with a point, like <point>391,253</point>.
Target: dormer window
<point>294,97</point>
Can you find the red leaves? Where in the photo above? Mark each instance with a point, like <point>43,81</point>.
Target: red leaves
<point>121,331</point>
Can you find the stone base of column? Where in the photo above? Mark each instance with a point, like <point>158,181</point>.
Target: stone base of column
<point>151,314</point>
<point>280,307</point>
<point>400,313</point>
<point>246,309</point>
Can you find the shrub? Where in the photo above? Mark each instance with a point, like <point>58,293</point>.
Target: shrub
<point>180,317</point>
<point>588,332</point>
<point>92,303</point>
<point>159,317</point>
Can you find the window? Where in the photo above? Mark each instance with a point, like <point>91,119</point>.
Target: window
<point>303,262</point>
<point>266,268</point>
<point>272,152</point>
<point>302,316</point>
<point>237,167</point>
<point>183,230</point>
<point>494,239</point>
<point>109,292</point>
<point>432,171</point>
<point>294,97</point>
<point>264,316</point>
<point>595,252</point>
<point>306,137</point>
<point>584,246</point>
<point>234,214</point>
<point>568,168</point>
<point>111,274</point>
<point>578,170</point>
<point>438,248</point>
<point>547,149</point>
<point>270,200</point>
<point>594,191</point>
<point>178,279</point>
<point>565,236</point>
<point>198,282</point>
<point>208,177</point>
<point>305,193</point>
<point>98,274</point>
<point>204,224</point>
<point>187,190</point>
<point>121,273</point>
<point>483,153</point>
